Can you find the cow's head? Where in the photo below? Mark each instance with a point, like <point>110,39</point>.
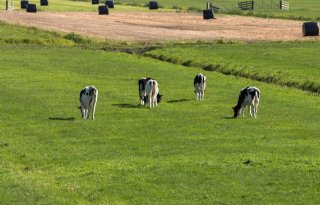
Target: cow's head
<point>145,99</point>
<point>159,97</point>
<point>236,111</point>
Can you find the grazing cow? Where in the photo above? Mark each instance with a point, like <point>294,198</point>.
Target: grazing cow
<point>200,85</point>
<point>88,98</point>
<point>152,92</point>
<point>248,96</point>
<point>142,91</point>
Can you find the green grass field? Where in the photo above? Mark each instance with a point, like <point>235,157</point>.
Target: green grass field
<point>309,9</point>
<point>300,10</point>
<point>293,64</point>
<point>183,152</point>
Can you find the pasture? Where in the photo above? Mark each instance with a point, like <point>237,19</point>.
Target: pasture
<point>284,63</point>
<point>183,152</point>
<point>299,10</point>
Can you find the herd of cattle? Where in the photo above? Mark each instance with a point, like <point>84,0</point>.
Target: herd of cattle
<point>149,94</point>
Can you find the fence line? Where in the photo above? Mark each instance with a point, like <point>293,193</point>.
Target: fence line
<point>262,5</point>
<point>9,5</point>
<point>284,5</point>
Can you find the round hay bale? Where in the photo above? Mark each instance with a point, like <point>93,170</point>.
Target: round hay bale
<point>32,8</point>
<point>44,3</point>
<point>24,4</point>
<point>95,2</point>
<point>208,14</point>
<point>310,29</point>
<point>153,5</point>
<point>109,4</point>
<point>103,10</point>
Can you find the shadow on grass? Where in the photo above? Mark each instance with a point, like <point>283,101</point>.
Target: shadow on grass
<point>62,118</point>
<point>126,105</point>
<point>228,117</point>
<point>180,100</point>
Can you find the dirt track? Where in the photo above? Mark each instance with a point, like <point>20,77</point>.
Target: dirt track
<point>146,26</point>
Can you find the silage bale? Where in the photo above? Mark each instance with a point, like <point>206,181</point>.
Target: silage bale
<point>24,4</point>
<point>95,2</point>
<point>32,8</point>
<point>310,29</point>
<point>208,14</point>
<point>103,10</point>
<point>153,5</point>
<point>44,3</point>
<point>109,4</point>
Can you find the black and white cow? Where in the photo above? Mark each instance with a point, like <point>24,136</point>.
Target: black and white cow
<point>88,98</point>
<point>152,92</point>
<point>249,96</point>
<point>200,85</point>
<point>142,91</point>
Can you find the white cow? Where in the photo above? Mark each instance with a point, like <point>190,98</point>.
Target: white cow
<point>142,91</point>
<point>249,96</point>
<point>152,91</point>
<point>88,98</point>
<point>200,85</point>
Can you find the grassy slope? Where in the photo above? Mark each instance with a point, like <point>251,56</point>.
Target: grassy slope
<point>182,152</point>
<point>293,64</point>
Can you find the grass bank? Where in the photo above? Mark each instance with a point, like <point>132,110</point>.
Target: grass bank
<point>292,64</point>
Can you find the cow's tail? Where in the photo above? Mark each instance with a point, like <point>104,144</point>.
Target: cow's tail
<point>95,96</point>
<point>153,86</point>
<point>257,96</point>
<point>202,83</point>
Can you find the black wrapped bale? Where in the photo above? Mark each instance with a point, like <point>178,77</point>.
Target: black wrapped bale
<point>153,5</point>
<point>44,3</point>
<point>95,2</point>
<point>24,4</point>
<point>310,29</point>
<point>32,8</point>
<point>103,10</point>
<point>110,4</point>
<point>208,14</point>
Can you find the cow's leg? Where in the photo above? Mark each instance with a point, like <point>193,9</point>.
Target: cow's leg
<point>82,112</point>
<point>156,101</point>
<point>249,109</point>
<point>242,111</point>
<point>255,110</point>
<point>87,112</point>
<point>202,94</point>
<point>94,103</point>
<point>150,100</point>
<point>93,110</point>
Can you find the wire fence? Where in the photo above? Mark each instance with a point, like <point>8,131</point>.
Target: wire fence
<point>259,6</point>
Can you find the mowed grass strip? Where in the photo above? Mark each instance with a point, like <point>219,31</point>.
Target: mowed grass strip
<point>183,152</point>
<point>293,64</point>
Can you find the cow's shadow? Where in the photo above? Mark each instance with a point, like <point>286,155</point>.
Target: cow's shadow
<point>62,118</point>
<point>126,105</point>
<point>227,118</point>
<point>179,100</point>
